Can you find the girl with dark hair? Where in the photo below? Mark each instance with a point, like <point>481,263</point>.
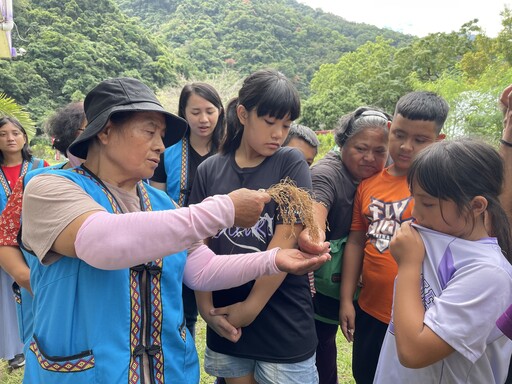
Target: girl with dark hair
<point>264,330</point>
<point>454,271</point>
<point>201,106</point>
<point>15,161</point>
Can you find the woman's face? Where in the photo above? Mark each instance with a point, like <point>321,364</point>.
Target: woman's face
<point>12,139</point>
<point>365,153</point>
<point>133,148</point>
<point>201,115</point>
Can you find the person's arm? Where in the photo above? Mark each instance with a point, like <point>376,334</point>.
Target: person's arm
<point>417,345</point>
<point>351,271</point>
<point>80,231</point>
<point>506,150</point>
<point>11,258</point>
<point>12,262</point>
<point>179,229</point>
<point>243,313</point>
<point>220,324</point>
<point>305,241</point>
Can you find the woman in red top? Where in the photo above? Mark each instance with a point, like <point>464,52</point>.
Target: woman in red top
<point>15,160</point>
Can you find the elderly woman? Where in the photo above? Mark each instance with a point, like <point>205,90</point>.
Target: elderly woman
<point>362,142</point>
<point>107,294</point>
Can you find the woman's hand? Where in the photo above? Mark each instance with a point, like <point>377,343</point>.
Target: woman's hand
<point>248,206</point>
<point>406,246</point>
<point>297,262</point>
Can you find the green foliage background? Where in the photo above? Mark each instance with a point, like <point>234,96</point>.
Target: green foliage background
<point>337,65</point>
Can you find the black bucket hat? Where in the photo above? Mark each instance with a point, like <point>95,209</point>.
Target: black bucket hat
<point>120,95</point>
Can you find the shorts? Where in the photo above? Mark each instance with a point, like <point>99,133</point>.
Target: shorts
<point>221,365</point>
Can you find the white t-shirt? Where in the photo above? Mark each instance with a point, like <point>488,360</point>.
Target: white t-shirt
<point>466,286</point>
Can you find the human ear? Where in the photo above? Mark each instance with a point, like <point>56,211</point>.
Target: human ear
<point>478,205</point>
<point>105,133</point>
<point>242,114</point>
<point>441,137</point>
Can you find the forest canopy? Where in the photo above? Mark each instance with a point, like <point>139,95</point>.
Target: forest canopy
<point>337,65</point>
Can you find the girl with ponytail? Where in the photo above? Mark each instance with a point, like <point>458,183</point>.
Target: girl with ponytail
<point>454,271</point>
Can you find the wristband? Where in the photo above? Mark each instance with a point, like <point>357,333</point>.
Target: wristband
<point>507,143</point>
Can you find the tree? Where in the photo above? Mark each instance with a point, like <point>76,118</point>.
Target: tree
<point>8,107</point>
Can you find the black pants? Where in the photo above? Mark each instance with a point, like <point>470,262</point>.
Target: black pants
<point>326,352</point>
<point>368,338</point>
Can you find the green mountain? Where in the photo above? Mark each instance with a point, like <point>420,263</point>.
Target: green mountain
<point>246,35</point>
<point>73,44</point>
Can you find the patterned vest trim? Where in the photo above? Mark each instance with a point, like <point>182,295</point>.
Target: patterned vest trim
<point>6,188</point>
<point>102,318</point>
<point>176,159</point>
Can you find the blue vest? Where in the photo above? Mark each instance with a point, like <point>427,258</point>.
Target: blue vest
<point>22,296</point>
<point>88,323</point>
<point>176,168</point>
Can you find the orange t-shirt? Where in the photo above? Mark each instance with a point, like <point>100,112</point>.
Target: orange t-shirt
<point>382,202</point>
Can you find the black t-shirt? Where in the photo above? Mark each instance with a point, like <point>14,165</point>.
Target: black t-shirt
<point>335,188</point>
<point>284,331</point>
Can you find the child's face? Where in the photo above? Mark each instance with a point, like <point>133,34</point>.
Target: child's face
<point>307,150</point>
<point>407,138</point>
<point>440,215</point>
<point>263,135</point>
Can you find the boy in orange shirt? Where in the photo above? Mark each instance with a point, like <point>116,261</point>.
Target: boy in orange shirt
<point>381,204</point>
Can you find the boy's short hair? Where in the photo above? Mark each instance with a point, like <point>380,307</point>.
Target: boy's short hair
<point>304,133</point>
<point>422,105</point>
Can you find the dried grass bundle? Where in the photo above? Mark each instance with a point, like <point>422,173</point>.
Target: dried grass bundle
<point>294,203</point>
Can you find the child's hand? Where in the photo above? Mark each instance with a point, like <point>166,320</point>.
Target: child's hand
<point>347,320</point>
<point>306,244</point>
<point>407,246</point>
<point>239,314</point>
<point>222,327</point>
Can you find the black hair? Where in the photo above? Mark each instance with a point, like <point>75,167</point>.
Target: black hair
<point>268,92</point>
<point>422,105</point>
<point>64,125</point>
<point>26,153</point>
<point>304,133</point>
<point>459,170</point>
<point>363,117</point>
<point>207,92</point>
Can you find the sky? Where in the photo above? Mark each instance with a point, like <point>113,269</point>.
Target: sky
<point>418,17</point>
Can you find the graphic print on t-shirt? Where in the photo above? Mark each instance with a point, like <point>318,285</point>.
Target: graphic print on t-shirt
<point>262,231</point>
<point>385,218</point>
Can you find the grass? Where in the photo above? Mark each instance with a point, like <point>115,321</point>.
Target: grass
<point>344,361</point>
